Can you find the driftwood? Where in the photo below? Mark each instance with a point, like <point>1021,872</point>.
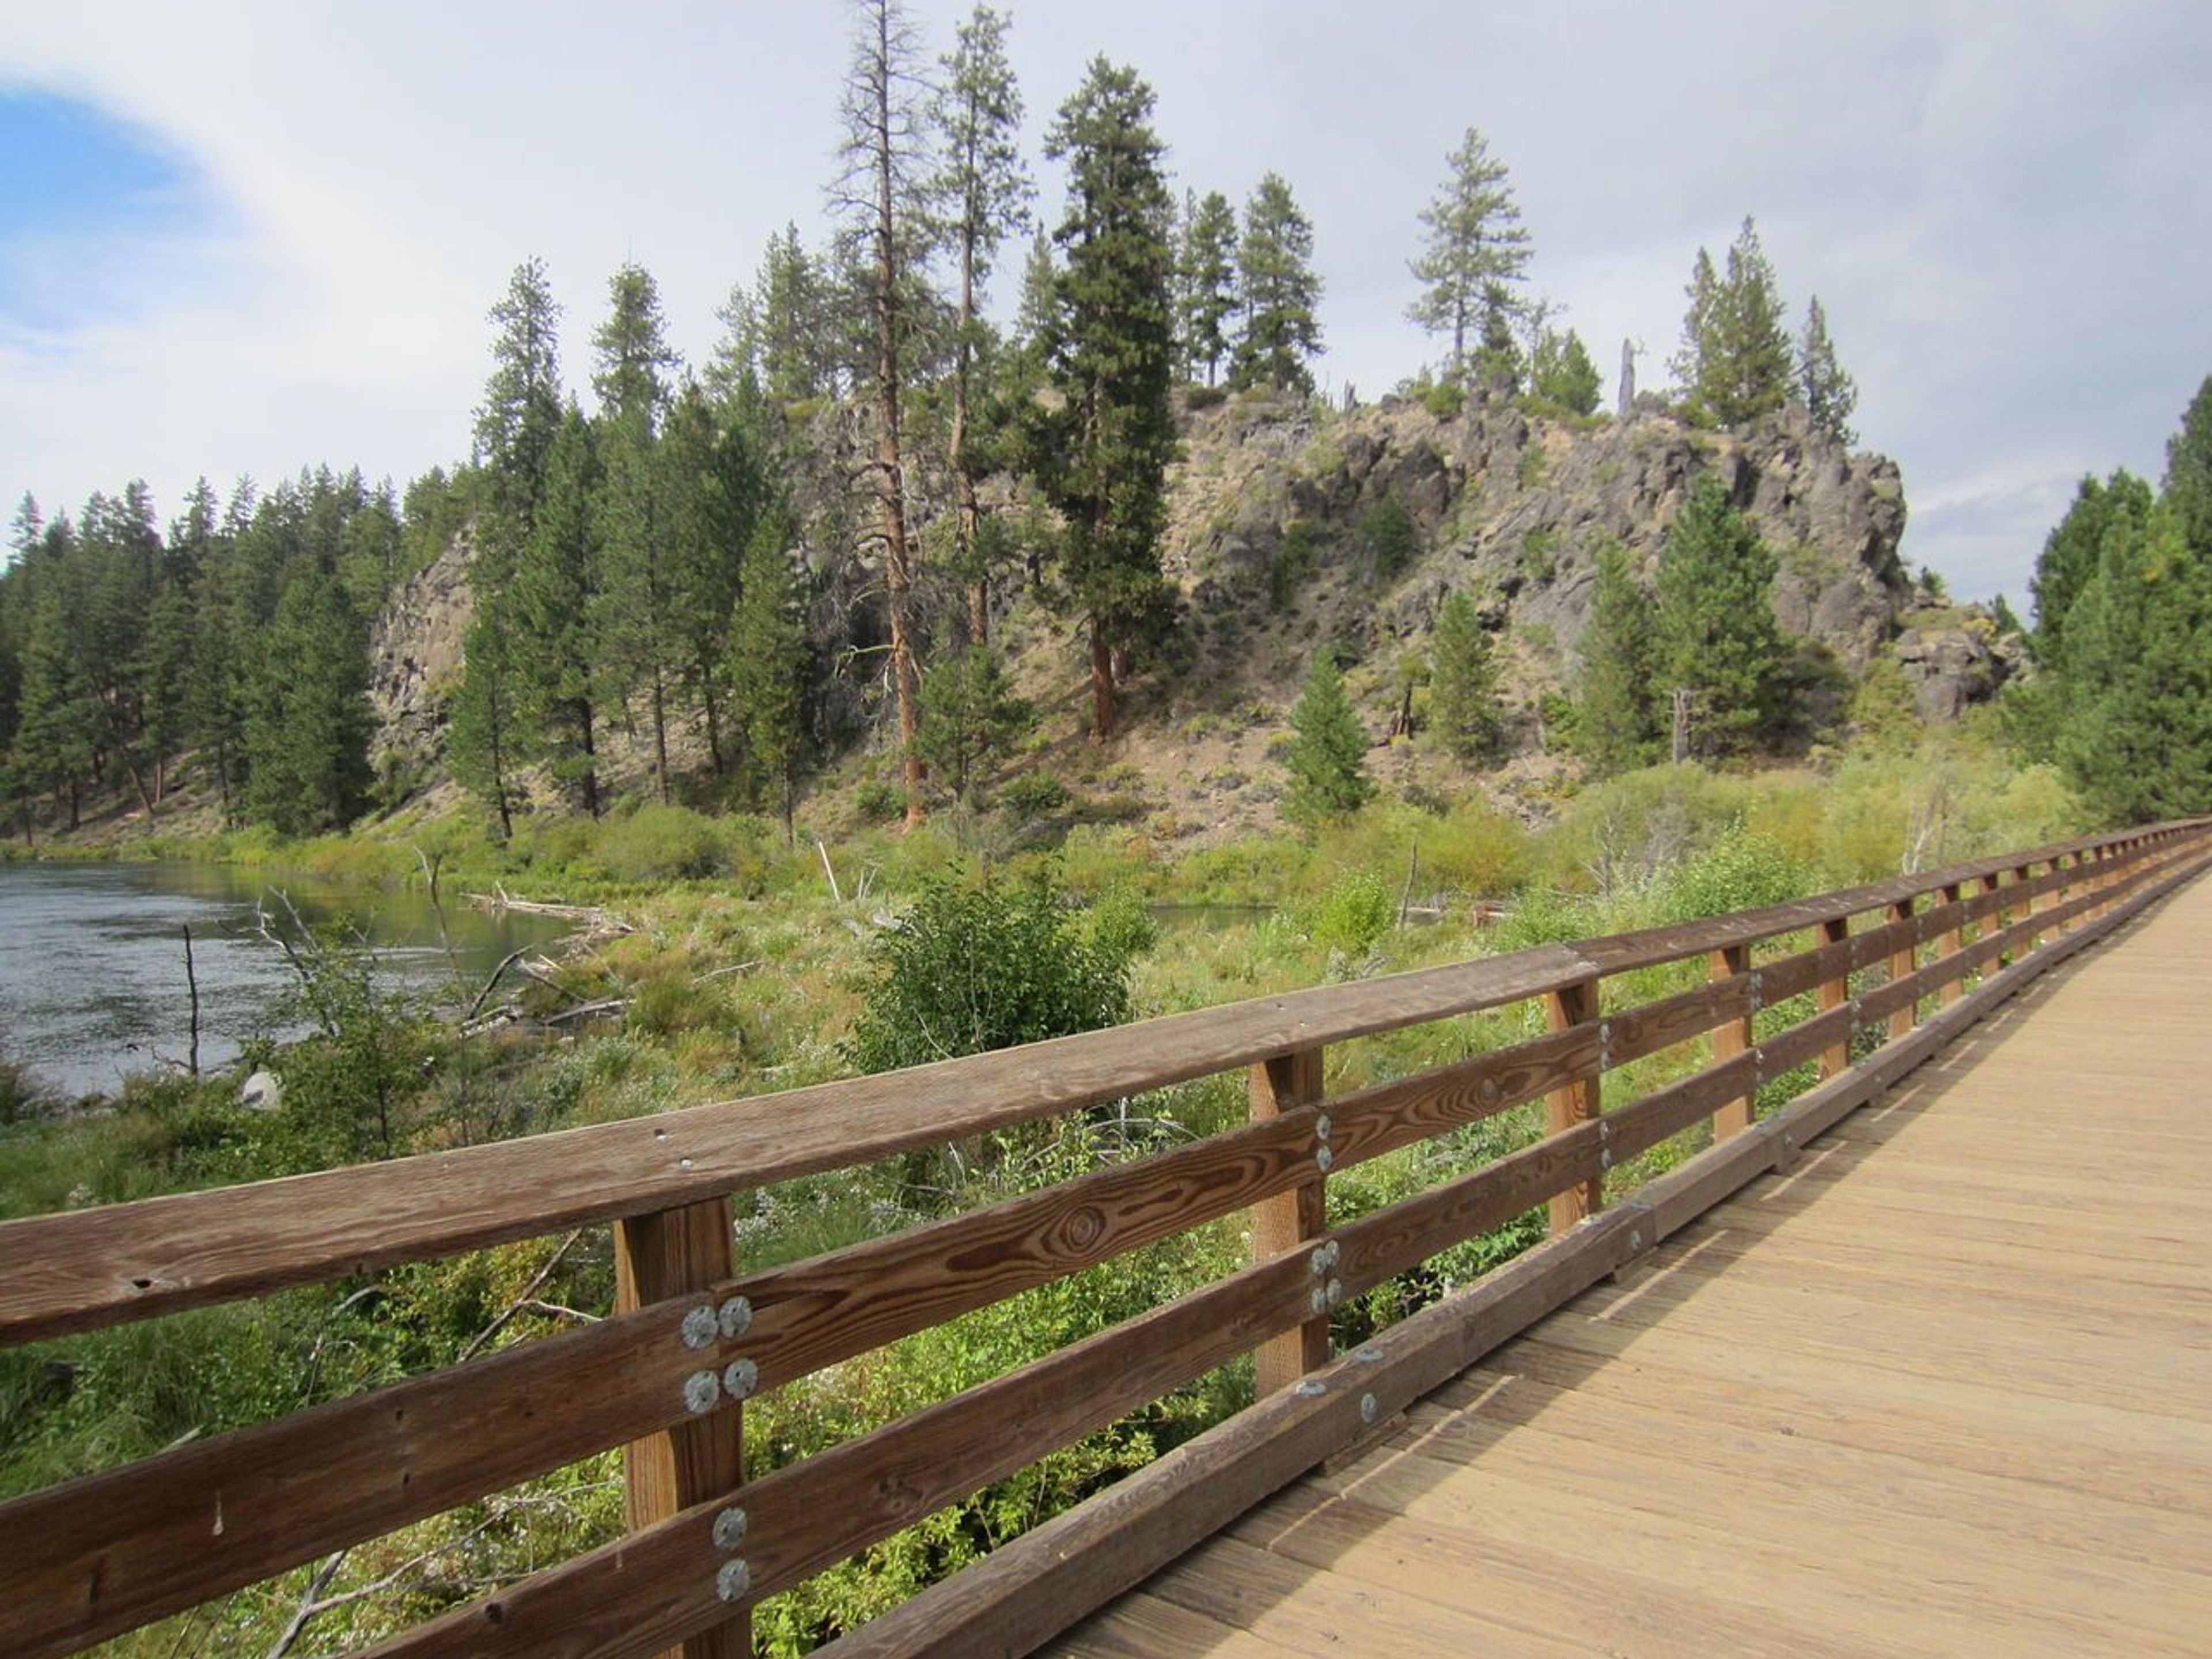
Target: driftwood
<point>596,918</point>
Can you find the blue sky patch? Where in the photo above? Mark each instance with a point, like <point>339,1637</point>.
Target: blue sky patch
<point>66,167</point>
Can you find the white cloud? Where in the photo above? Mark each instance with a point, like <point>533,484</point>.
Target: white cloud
<point>2004,211</point>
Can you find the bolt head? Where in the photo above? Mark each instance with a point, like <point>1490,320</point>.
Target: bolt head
<point>1335,1293</point>
<point>701,1390</point>
<point>1318,1301</point>
<point>732,1583</point>
<point>1311,1388</point>
<point>741,1378</point>
<point>1605,1159</point>
<point>1370,1355</point>
<point>1635,1241</point>
<point>1369,1409</point>
<point>698,1327</point>
<point>1325,1158</point>
<point>735,1316</point>
<point>730,1529</point>
<point>1324,1125</point>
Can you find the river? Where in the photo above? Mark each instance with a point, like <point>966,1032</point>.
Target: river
<point>91,960</point>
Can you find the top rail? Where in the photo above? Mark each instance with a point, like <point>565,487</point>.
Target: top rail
<point>87,1269</point>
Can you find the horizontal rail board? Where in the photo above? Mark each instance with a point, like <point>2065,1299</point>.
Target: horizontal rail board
<point>93,1268</point>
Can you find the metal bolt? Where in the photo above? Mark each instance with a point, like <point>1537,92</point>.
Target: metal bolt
<point>1319,1260</point>
<point>1312,1389</point>
<point>1635,1241</point>
<point>730,1529</point>
<point>1318,1301</point>
<point>701,1390</point>
<point>1324,1158</point>
<point>1333,1250</point>
<point>1605,1159</point>
<point>1335,1291</point>
<point>698,1327</point>
<point>1324,1127</point>
<point>1370,1409</point>
<point>1605,1031</point>
<point>732,1583</point>
<point>742,1377</point>
<point>737,1315</point>
<point>1370,1355</point>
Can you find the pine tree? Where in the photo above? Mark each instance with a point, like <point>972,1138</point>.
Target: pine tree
<point>1830,394</point>
<point>483,735</point>
<point>2188,485</point>
<point>769,663</point>
<point>1277,289</point>
<point>969,713</point>
<point>1328,756</point>
<point>553,604</point>
<point>712,487</point>
<point>1560,372</point>
<point>1101,457</point>
<point>1736,351</point>
<point>986,190</point>
<point>2072,552</point>
<point>309,723</point>
<point>1464,711</point>
<point>1206,282</point>
<point>783,327</point>
<point>1474,249</point>
<point>885,162</point>
<point>635,363</point>
<point>1615,723</point>
<point>1038,311</point>
<point>2135,718</point>
<point>1716,636</point>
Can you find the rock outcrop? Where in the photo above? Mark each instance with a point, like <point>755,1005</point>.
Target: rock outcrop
<point>415,660</point>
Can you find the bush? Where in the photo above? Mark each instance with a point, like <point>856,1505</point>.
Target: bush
<point>665,843</point>
<point>1351,916</point>
<point>1034,796</point>
<point>1741,871</point>
<point>1386,530</point>
<point>880,801</point>
<point>980,965</point>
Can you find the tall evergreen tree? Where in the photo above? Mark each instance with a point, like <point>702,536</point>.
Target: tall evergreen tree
<point>635,363</point>
<point>1830,394</point>
<point>769,662</point>
<point>1615,723</point>
<point>2187,485</point>
<point>1735,362</point>
<point>1716,636</point>
<point>713,487</point>
<point>1206,282</point>
<point>2072,553</point>
<point>886,163</point>
<point>1328,756</point>
<point>986,190</point>
<point>1560,372</point>
<point>969,712</point>
<point>1277,290</point>
<point>1101,457</point>
<point>2135,720</point>
<point>1474,249</point>
<point>308,724</point>
<point>554,609</point>
<point>1464,711</point>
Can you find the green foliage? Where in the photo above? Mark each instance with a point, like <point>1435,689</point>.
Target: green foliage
<point>1742,870</point>
<point>308,724</point>
<point>1561,373</point>
<point>1205,277</point>
<point>977,965</point>
<point>1715,632</point>
<point>1615,725</point>
<point>1464,710</point>
<point>1101,457</point>
<point>549,610</point>
<point>1352,917</point>
<point>1296,556</point>
<point>1328,755</point>
<point>1829,395</point>
<point>770,662</point>
<point>1475,245</point>
<point>1734,363</point>
<point>970,716</point>
<point>1034,794</point>
<point>2072,551</point>
<point>1278,292</point>
<point>674,843</point>
<point>1884,715</point>
<point>1388,537</point>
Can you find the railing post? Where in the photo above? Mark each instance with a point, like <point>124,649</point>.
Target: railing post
<point>1834,993</point>
<point>1290,1219</point>
<point>1994,923</point>
<point>1574,1102</point>
<point>1731,1038</point>
<point>1952,940</point>
<point>668,1252</point>
<point>2038,903</point>
<point>1902,962</point>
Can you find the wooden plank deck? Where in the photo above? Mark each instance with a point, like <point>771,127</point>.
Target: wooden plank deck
<point>1944,1390</point>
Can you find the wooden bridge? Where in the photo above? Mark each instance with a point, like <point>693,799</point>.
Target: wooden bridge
<point>1895,1367</point>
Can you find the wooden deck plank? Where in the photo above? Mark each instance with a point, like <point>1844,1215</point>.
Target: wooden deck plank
<point>1944,1387</point>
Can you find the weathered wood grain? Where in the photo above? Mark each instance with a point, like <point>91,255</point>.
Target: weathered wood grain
<point>1292,1219</point>
<point>1573,1104</point>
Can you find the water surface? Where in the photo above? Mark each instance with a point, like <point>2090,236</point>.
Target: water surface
<point>91,960</point>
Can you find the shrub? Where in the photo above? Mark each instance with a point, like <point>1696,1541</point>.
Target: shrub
<point>1386,530</point>
<point>1034,796</point>
<point>1740,871</point>
<point>664,843</point>
<point>880,801</point>
<point>1352,915</point>
<point>985,964</point>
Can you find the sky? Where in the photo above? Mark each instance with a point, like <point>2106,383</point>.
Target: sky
<point>242,238</point>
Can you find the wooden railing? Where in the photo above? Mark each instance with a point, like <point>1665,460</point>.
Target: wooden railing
<point>692,1337</point>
